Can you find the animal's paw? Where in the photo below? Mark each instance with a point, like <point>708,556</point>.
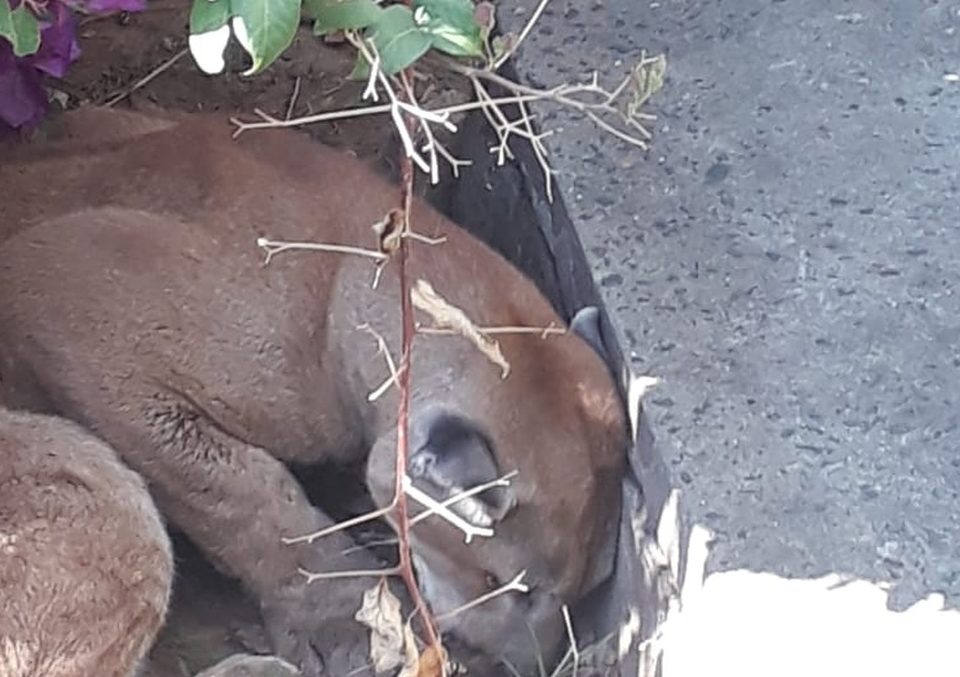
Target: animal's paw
<point>248,665</point>
<point>319,640</point>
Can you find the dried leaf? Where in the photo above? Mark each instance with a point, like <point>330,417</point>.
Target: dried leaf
<point>389,231</point>
<point>431,663</point>
<point>502,44</point>
<point>380,611</point>
<point>411,662</point>
<point>485,14</point>
<point>447,316</point>
<point>645,81</point>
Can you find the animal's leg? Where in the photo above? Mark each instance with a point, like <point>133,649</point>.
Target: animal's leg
<point>237,503</point>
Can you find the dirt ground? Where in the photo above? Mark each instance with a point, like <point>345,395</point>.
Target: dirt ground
<point>210,617</point>
<point>120,51</point>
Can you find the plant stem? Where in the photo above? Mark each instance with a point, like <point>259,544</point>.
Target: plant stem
<point>401,514</point>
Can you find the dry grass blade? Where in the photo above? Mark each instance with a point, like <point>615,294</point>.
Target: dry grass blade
<point>447,316</point>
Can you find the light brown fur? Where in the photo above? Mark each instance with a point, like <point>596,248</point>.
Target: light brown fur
<point>85,562</point>
<point>133,300</point>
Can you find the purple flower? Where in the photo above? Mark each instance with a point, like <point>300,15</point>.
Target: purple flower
<point>23,99</point>
<point>104,6</point>
<point>58,42</point>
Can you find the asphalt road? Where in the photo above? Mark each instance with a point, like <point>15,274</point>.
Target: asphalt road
<point>786,257</point>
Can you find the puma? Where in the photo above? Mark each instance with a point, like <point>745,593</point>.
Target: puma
<point>134,301</point>
<point>85,562</point>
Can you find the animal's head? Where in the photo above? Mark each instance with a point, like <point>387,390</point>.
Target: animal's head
<point>557,422</point>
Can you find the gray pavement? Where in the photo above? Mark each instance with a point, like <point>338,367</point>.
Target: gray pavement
<point>785,258</point>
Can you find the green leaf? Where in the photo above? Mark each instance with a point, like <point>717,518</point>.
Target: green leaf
<point>451,25</point>
<point>361,68</point>
<point>338,15</point>
<point>208,15</point>
<point>398,39</point>
<point>265,28</point>
<point>209,34</point>
<point>20,27</point>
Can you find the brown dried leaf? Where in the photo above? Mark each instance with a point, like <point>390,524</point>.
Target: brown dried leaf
<point>389,231</point>
<point>431,663</point>
<point>448,316</point>
<point>380,611</point>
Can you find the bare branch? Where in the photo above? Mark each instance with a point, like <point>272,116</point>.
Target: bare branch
<point>531,22</point>
<point>146,79</point>
<point>382,349</point>
<point>573,651</point>
<point>455,163</point>
<point>539,150</point>
<point>293,98</point>
<point>425,239</point>
<point>339,526</point>
<point>469,530</point>
<point>408,333</point>
<point>543,332</point>
<point>515,585</point>
<point>270,122</point>
<point>469,493</point>
<point>312,576</point>
<point>274,247</point>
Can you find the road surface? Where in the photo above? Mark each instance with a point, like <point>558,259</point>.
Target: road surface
<point>786,257</point>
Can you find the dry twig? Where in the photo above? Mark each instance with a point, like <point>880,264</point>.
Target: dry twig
<point>531,22</point>
<point>293,98</point>
<point>514,585</point>
<point>274,247</point>
<point>469,530</point>
<point>542,332</point>
<point>146,79</point>
<point>573,652</point>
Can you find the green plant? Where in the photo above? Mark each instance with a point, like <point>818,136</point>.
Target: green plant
<point>399,33</point>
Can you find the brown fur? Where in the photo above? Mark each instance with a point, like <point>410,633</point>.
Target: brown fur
<point>133,299</point>
<point>85,563</point>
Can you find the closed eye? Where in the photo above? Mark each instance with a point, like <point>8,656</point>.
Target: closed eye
<point>491,581</point>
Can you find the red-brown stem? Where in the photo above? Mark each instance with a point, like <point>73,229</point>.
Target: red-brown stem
<point>400,513</point>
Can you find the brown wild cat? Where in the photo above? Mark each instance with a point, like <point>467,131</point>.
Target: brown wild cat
<point>134,301</point>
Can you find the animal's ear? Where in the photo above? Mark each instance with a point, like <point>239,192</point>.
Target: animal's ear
<point>586,325</point>
<point>451,455</point>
